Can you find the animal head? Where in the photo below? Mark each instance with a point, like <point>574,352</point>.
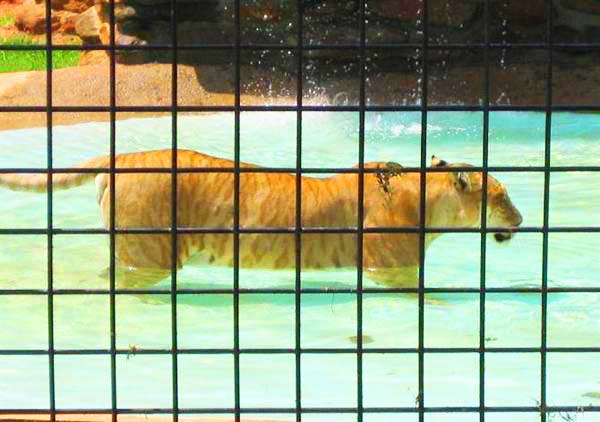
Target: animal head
<point>466,192</point>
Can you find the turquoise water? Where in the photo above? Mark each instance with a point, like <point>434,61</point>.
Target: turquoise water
<point>328,320</point>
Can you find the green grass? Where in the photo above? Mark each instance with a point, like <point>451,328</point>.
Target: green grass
<point>6,20</point>
<point>16,61</point>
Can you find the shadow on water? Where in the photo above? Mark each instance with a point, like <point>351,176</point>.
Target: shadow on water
<point>325,298</point>
<point>275,299</point>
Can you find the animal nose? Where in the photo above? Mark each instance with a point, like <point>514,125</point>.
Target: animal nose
<point>519,219</point>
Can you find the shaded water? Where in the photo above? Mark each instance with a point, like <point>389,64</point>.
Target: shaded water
<point>328,320</point>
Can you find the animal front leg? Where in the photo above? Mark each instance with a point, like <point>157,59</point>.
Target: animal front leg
<point>129,277</point>
<point>400,277</point>
<point>139,278</point>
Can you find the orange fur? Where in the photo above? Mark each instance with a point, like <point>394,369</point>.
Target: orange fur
<point>205,200</point>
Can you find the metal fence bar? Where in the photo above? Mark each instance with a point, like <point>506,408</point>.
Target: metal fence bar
<point>174,213</point>
<point>292,351</point>
<point>298,228</point>
<point>360,213</point>
<point>289,230</point>
<point>484,198</point>
<point>313,410</point>
<point>112,212</point>
<point>279,108</point>
<point>306,170</point>
<point>49,210</point>
<point>420,400</point>
<point>236,215</point>
<point>282,291</point>
<point>546,214</point>
<point>291,108</point>
<point>307,47</point>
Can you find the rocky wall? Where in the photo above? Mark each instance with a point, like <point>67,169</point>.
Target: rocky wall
<point>142,22</point>
<point>331,22</point>
<point>332,73</point>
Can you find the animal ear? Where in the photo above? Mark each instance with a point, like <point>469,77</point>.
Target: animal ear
<point>463,181</point>
<point>437,162</point>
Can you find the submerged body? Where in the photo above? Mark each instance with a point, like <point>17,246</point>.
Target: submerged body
<point>205,200</point>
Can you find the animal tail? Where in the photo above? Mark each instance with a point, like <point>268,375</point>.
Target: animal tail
<point>39,182</point>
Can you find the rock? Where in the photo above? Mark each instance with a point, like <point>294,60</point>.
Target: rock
<point>123,12</point>
<point>186,11</point>
<point>129,40</point>
<point>31,18</point>
<point>585,6</point>
<point>140,22</point>
<point>577,15</point>
<point>87,24</point>
<point>64,22</point>
<point>452,14</point>
<point>76,6</point>
<point>162,3</point>
<point>404,10</point>
<point>266,11</point>
<point>104,34</point>
<point>191,31</point>
<point>327,7</point>
<point>530,12</point>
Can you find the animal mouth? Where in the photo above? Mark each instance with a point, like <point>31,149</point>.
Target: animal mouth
<point>506,234</point>
<point>503,237</point>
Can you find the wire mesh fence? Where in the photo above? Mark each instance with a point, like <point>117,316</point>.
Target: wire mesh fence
<point>237,46</point>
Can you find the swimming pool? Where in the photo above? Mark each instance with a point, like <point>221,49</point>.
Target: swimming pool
<point>328,320</point>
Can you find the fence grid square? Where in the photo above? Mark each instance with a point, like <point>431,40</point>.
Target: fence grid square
<point>421,351</point>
